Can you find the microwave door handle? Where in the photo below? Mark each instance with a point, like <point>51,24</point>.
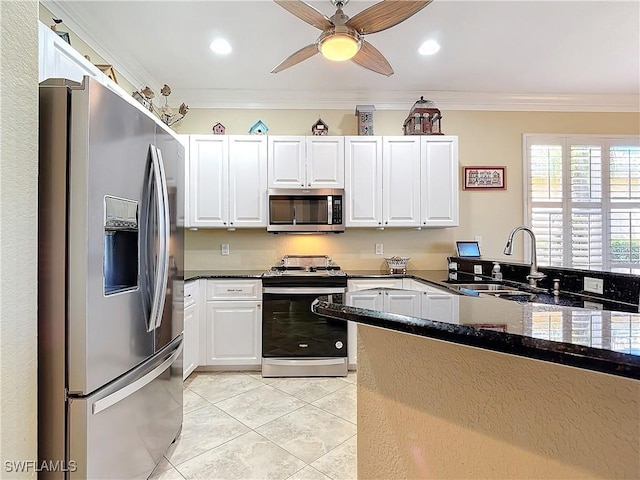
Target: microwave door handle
<point>329,210</point>
<point>294,215</point>
<point>165,232</point>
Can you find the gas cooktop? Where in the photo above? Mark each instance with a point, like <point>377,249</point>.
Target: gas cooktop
<point>305,265</point>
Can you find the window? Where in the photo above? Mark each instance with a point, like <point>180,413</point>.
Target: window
<point>582,200</point>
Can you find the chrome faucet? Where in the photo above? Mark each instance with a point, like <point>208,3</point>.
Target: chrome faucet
<point>534,274</point>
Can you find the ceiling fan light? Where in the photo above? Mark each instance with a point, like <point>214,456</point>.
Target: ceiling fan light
<point>429,48</point>
<point>339,47</point>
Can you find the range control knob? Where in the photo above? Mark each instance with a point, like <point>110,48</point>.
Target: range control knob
<point>339,345</point>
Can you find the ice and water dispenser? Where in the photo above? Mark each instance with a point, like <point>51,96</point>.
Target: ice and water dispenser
<point>120,245</point>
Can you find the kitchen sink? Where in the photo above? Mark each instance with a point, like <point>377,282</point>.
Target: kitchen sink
<point>491,288</point>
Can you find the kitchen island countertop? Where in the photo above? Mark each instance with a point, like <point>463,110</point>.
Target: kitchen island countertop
<point>603,341</point>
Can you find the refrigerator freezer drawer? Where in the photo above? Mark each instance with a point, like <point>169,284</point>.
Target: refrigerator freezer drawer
<point>122,431</point>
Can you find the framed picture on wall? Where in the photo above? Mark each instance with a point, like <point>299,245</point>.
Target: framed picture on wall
<point>485,178</point>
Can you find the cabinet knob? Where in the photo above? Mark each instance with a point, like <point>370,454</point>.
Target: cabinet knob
<point>302,184</point>
<point>230,223</point>
<point>308,185</point>
<point>386,223</point>
<point>379,223</point>
<point>224,223</point>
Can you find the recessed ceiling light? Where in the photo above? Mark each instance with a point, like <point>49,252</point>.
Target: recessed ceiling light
<point>220,46</point>
<point>429,47</point>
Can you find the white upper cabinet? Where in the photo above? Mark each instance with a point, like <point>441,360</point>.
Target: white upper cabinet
<point>401,181</point>
<point>439,179</point>
<point>209,178</point>
<point>325,162</point>
<point>58,59</point>
<point>227,181</point>
<point>305,162</point>
<point>363,181</point>
<point>247,181</point>
<point>286,162</point>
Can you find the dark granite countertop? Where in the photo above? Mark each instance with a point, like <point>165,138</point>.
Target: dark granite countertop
<point>196,274</point>
<point>602,341</point>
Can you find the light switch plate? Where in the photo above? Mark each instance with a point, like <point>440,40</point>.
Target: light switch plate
<point>477,269</point>
<point>379,249</point>
<point>594,285</point>
<point>225,249</point>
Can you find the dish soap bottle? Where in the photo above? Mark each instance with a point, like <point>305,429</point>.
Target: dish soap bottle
<point>496,274</point>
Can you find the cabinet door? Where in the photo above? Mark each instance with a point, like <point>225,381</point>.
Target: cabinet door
<point>363,181</point>
<point>247,181</point>
<point>209,178</point>
<point>372,301</point>
<point>440,307</point>
<point>402,302</point>
<point>191,340</point>
<point>401,181</point>
<point>325,162</point>
<point>234,333</point>
<point>286,159</point>
<point>439,196</point>
<point>186,219</point>
<point>58,59</point>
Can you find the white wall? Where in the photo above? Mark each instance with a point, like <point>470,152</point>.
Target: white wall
<point>18,232</point>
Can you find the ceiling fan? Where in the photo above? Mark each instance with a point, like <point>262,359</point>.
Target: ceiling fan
<point>342,38</point>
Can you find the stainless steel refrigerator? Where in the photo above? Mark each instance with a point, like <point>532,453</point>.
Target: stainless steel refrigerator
<point>110,285</point>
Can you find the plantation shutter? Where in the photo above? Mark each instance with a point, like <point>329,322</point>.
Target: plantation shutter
<point>583,201</point>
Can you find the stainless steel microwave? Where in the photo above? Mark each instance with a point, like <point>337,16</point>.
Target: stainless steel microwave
<point>314,210</point>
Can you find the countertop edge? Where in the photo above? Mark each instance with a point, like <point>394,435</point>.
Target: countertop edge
<point>585,358</point>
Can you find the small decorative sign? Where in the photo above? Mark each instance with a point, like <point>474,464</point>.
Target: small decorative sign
<point>485,178</point>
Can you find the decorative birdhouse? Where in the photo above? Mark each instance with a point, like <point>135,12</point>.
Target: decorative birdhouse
<point>218,129</point>
<point>259,128</point>
<point>424,119</point>
<point>320,128</point>
<point>365,119</point>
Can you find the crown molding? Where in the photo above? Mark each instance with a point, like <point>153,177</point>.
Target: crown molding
<point>445,100</point>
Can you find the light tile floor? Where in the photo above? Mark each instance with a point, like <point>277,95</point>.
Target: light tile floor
<point>238,425</point>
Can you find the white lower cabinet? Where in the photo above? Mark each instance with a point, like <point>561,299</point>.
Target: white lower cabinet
<point>191,344</point>
<point>405,297</point>
<point>364,300</point>
<point>233,319</point>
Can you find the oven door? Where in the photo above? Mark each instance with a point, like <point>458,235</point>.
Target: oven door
<point>291,330</point>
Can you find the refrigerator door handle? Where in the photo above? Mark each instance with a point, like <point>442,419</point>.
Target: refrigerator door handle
<point>165,231</point>
<point>160,281</point>
<point>132,388</point>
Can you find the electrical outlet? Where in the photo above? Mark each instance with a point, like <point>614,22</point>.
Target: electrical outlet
<point>225,249</point>
<point>478,239</point>
<point>477,269</point>
<point>594,285</point>
<point>379,249</point>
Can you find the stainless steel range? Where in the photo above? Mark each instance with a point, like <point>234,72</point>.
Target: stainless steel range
<point>295,341</point>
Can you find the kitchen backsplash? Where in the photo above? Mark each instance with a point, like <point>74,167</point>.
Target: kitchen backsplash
<point>354,249</point>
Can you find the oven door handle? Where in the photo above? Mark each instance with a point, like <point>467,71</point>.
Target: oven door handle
<point>304,290</point>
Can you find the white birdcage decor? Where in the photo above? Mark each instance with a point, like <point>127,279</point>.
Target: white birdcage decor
<point>424,119</point>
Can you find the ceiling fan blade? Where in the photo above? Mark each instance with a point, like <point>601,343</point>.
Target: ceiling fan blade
<point>385,15</point>
<point>369,57</point>
<point>299,56</point>
<point>305,12</point>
